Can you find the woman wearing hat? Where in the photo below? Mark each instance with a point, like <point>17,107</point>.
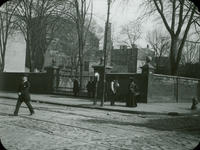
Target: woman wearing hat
<point>132,93</point>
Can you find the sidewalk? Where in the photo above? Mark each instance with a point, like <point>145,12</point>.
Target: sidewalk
<point>149,108</point>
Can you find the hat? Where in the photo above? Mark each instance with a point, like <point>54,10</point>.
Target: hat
<point>24,75</point>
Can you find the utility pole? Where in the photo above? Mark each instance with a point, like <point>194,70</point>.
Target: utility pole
<point>105,53</point>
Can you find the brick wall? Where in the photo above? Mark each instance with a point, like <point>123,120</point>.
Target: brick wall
<point>124,80</point>
<point>163,88</point>
<point>40,82</point>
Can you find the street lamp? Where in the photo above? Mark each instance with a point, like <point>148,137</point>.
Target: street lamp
<point>105,53</point>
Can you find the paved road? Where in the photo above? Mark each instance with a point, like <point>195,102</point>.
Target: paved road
<point>62,128</point>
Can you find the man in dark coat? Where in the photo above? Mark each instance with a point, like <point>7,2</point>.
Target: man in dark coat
<point>24,96</point>
<point>76,87</point>
<point>89,89</point>
<point>93,86</point>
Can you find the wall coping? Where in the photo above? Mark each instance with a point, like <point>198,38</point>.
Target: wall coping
<point>22,72</point>
<point>178,77</point>
<point>123,74</point>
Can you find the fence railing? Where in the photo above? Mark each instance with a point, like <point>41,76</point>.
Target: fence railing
<point>64,84</point>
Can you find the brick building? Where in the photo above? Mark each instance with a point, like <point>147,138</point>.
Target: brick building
<point>124,59</point>
<point>127,60</point>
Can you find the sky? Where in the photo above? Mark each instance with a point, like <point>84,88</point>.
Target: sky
<point>121,13</point>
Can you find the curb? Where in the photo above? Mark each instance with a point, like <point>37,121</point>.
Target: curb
<point>106,109</point>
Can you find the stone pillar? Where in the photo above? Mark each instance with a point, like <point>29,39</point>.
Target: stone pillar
<point>132,59</point>
<point>53,73</point>
<point>100,70</point>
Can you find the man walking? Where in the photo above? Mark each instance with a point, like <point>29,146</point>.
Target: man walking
<point>24,96</point>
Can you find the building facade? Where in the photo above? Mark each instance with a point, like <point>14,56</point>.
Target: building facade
<point>15,53</point>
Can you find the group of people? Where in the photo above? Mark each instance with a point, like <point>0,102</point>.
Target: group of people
<point>91,87</point>
<point>24,94</point>
<point>133,92</point>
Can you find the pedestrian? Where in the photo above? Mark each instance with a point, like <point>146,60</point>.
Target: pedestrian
<point>132,94</point>
<point>93,88</point>
<point>24,96</point>
<point>76,87</point>
<point>89,88</point>
<point>194,103</point>
<point>114,90</point>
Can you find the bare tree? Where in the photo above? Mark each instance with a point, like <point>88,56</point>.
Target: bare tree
<point>190,53</point>
<point>70,45</point>
<point>81,13</point>
<point>159,43</point>
<point>196,25</point>
<point>33,18</point>
<point>131,32</point>
<point>196,3</point>
<point>6,24</point>
<point>177,16</point>
<point>82,8</point>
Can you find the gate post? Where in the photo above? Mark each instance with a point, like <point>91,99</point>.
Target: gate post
<point>53,73</point>
<point>100,70</point>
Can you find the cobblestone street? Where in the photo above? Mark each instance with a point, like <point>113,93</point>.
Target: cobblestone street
<point>60,128</point>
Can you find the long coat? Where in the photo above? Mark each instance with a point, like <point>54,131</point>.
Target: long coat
<point>75,86</point>
<point>24,90</point>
